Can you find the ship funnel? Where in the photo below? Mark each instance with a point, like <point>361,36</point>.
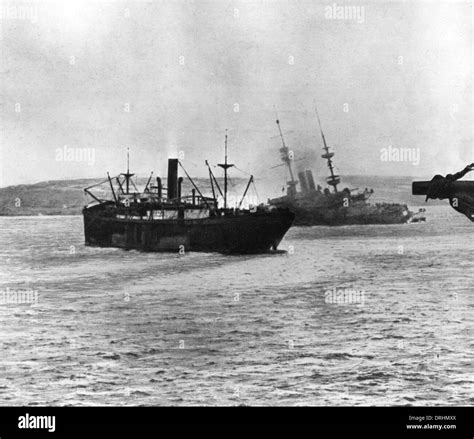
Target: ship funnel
<point>303,182</point>
<point>172,179</point>
<point>310,180</point>
<point>180,182</point>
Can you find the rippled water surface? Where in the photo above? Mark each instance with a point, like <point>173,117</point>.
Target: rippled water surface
<point>113,327</point>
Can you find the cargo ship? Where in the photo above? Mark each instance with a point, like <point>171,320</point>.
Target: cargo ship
<point>314,205</point>
<point>161,219</point>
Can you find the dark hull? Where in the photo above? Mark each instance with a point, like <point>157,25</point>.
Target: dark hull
<point>252,233</point>
<point>346,217</point>
<point>322,211</point>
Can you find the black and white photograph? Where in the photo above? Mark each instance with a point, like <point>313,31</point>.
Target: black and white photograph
<point>238,203</point>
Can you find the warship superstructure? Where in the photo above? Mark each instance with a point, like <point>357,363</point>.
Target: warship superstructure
<point>162,219</point>
<point>331,206</point>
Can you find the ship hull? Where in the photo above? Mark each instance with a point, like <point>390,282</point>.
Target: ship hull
<point>346,217</point>
<point>252,233</point>
<point>323,211</point>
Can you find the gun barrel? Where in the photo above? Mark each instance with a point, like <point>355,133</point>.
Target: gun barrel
<point>421,187</point>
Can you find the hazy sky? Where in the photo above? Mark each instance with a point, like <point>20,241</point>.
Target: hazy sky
<point>187,70</point>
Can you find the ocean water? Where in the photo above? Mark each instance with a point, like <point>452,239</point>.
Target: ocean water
<point>114,327</point>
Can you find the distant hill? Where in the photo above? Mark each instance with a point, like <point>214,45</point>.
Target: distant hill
<point>66,197</point>
<point>59,197</point>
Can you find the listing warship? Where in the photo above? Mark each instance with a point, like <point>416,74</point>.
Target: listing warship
<point>160,219</point>
<point>459,193</point>
<point>314,206</point>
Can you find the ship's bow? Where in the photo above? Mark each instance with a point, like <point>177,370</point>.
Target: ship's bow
<point>258,232</point>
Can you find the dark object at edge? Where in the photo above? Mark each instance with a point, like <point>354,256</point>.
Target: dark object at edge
<point>459,193</point>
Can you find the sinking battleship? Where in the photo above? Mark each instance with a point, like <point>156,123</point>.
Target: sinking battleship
<point>459,193</point>
<point>314,205</point>
<point>161,219</point>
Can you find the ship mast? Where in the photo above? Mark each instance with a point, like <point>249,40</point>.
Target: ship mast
<point>127,175</point>
<point>225,166</point>
<point>333,180</point>
<point>285,157</point>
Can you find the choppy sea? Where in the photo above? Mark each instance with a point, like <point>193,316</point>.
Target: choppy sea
<point>114,327</point>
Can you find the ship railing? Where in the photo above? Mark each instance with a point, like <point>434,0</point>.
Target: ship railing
<point>198,200</point>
